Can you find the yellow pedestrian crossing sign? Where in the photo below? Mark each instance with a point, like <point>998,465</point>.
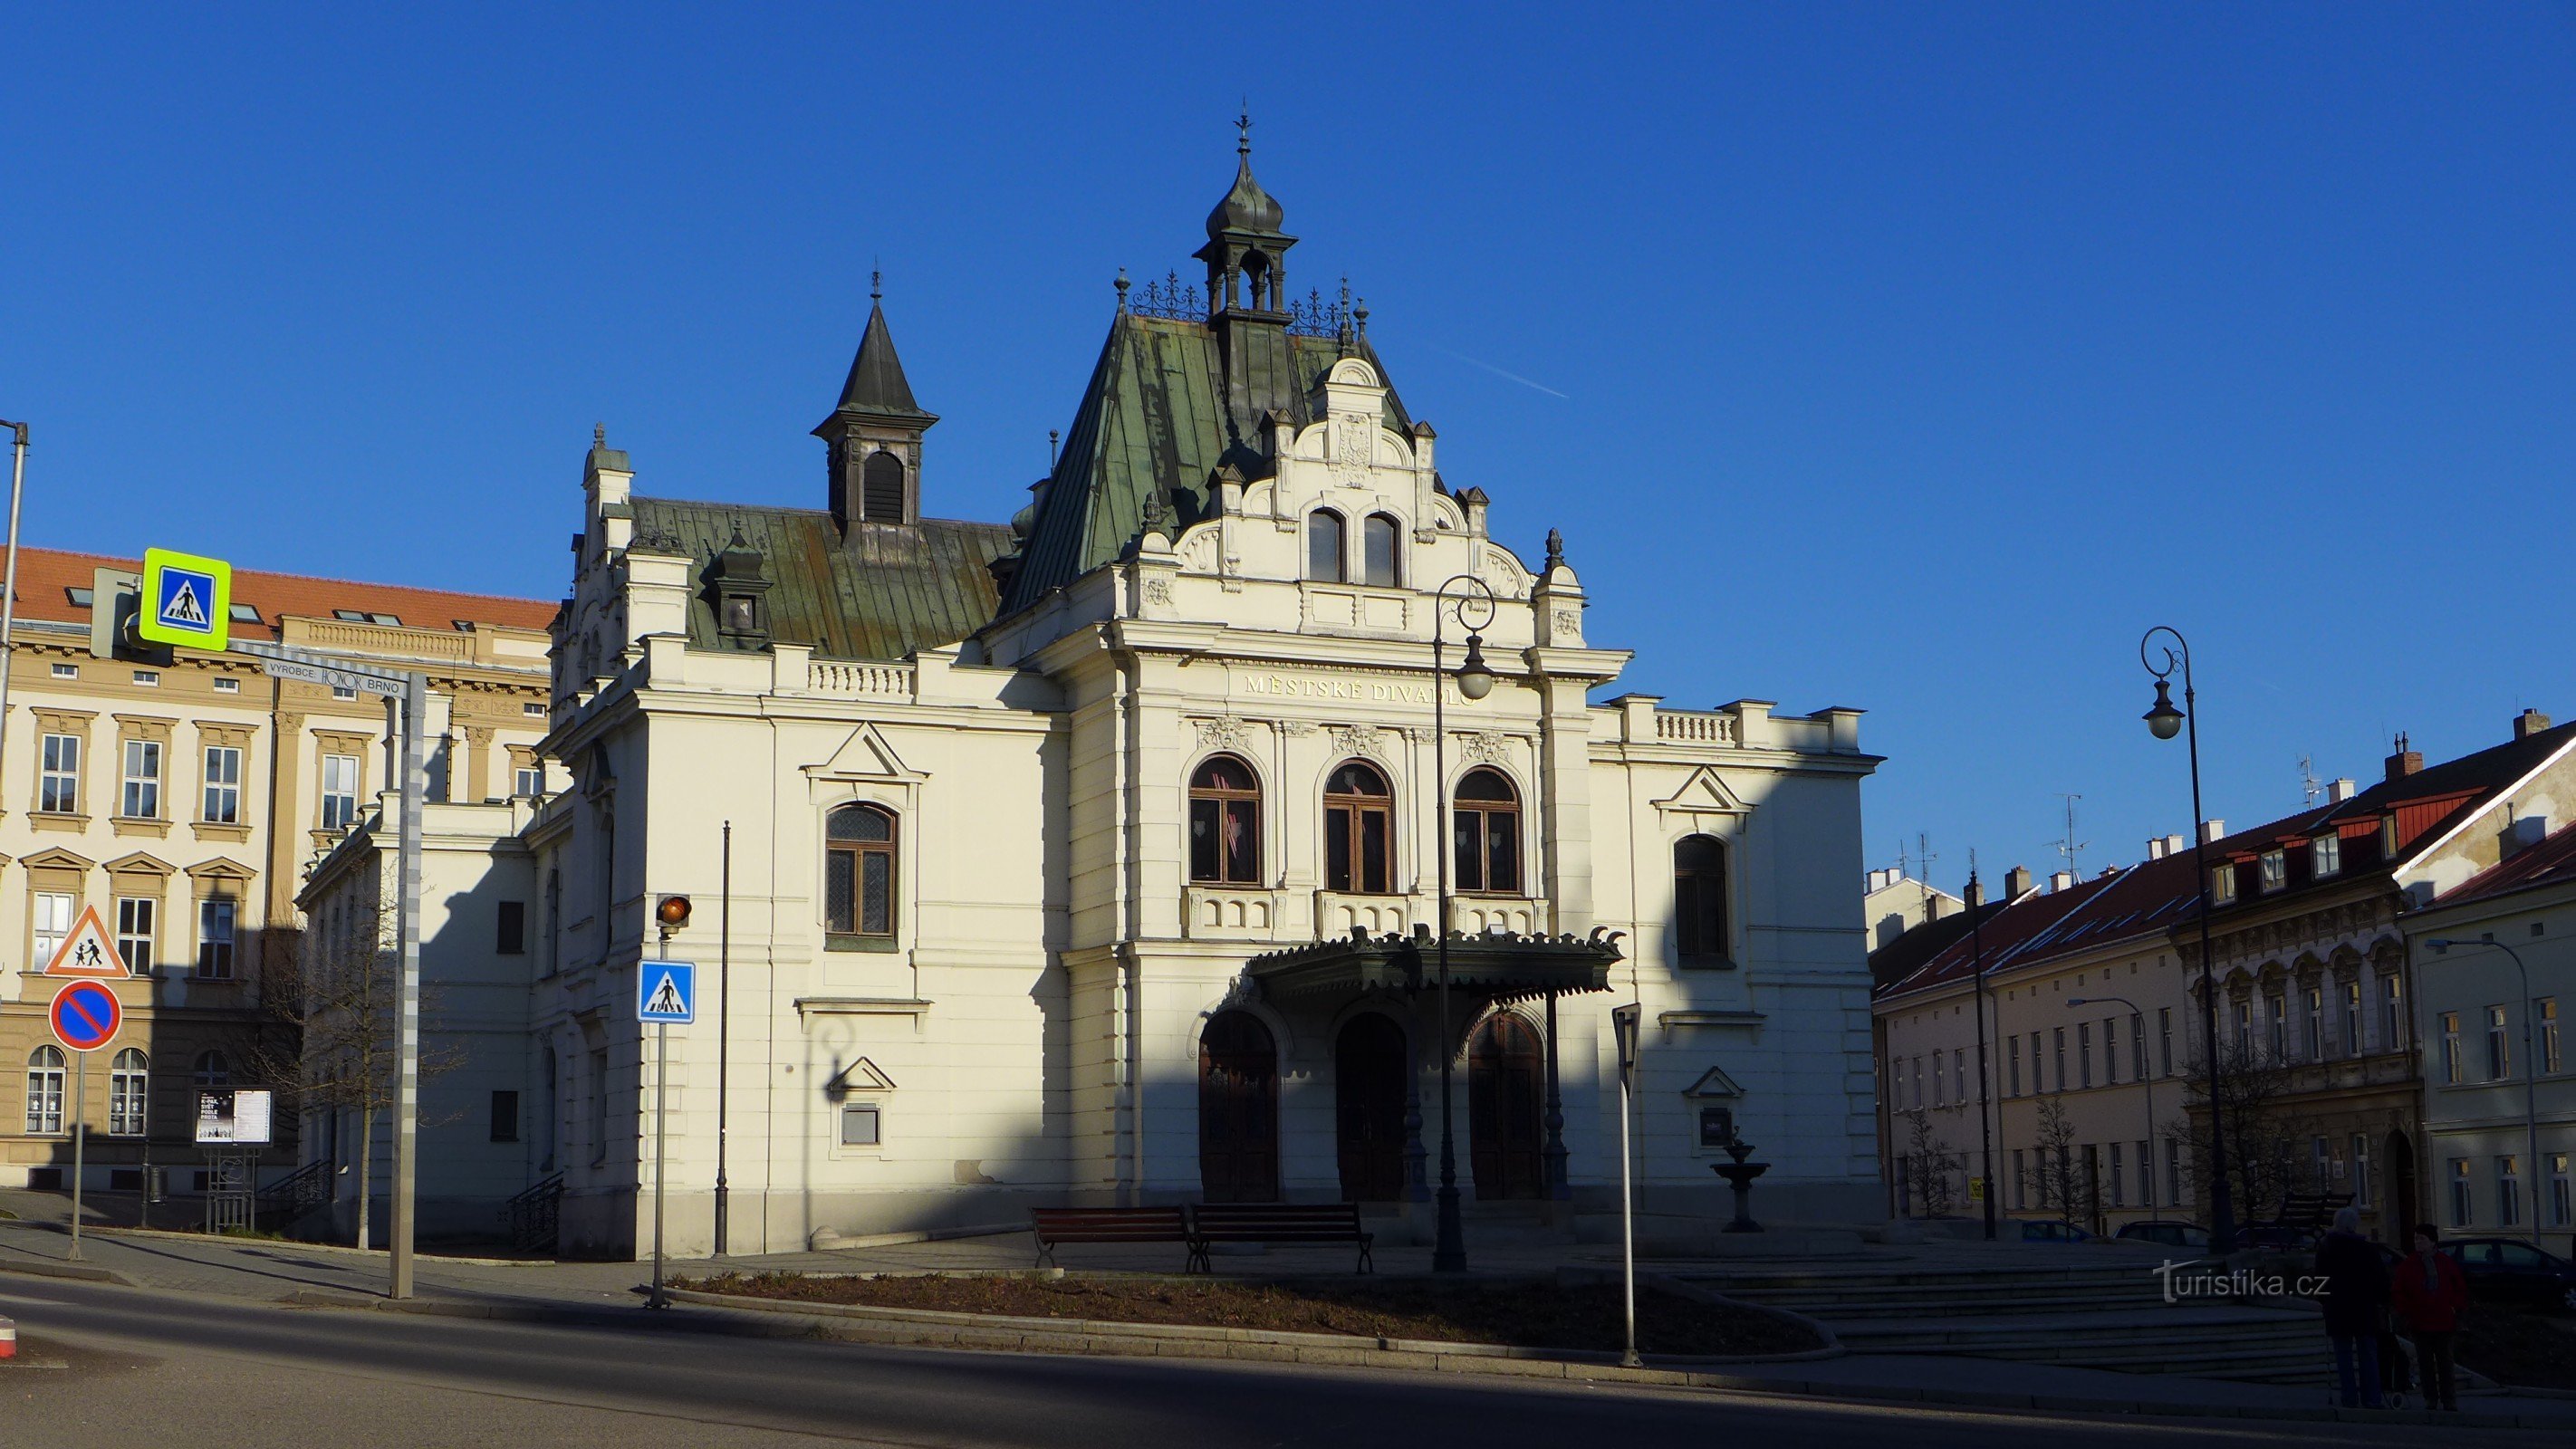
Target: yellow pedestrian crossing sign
<point>186,600</point>
<point>666,991</point>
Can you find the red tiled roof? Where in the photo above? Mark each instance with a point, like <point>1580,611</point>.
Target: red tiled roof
<point>2551,861</point>
<point>46,576</point>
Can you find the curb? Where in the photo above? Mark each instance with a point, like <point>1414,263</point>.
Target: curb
<point>47,1268</point>
<point>299,1245</point>
<point>929,1328</point>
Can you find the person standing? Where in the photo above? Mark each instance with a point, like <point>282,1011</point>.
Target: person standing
<point>2355,1301</point>
<point>2429,1291</point>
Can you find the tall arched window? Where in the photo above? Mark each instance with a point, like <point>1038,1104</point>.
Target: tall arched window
<point>1225,823</point>
<point>214,1069</point>
<point>858,874</point>
<point>128,1081</point>
<point>1699,900</point>
<point>1238,1110</point>
<point>1324,546</point>
<point>45,1091</point>
<point>1377,551</point>
<point>881,488</point>
<point>1485,830</point>
<point>1359,830</point>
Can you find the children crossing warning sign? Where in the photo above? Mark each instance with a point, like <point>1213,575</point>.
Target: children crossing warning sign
<point>87,951</point>
<point>666,991</point>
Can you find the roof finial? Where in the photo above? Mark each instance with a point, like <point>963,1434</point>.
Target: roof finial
<point>1052,436</point>
<point>1243,129</point>
<point>1555,549</point>
<point>876,284</point>
<point>599,435</point>
<point>1359,314</point>
<point>1122,290</point>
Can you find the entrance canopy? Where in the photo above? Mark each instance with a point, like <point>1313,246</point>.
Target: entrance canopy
<point>1493,965</point>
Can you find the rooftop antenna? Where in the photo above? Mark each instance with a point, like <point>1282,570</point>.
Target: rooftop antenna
<point>2310,787</point>
<point>2070,845</point>
<point>1923,858</point>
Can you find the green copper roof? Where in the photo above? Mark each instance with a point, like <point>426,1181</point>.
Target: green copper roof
<point>1160,417</point>
<point>882,593</point>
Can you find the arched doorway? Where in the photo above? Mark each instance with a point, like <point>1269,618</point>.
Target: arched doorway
<point>1505,1069</point>
<point>1370,1060</point>
<point>2399,1213</point>
<point>1238,1110</point>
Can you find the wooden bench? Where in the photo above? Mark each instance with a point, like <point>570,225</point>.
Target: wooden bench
<point>1276,1222</point>
<point>1056,1226</point>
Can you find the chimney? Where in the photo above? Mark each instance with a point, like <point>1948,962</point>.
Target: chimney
<point>2212,831</point>
<point>2156,847</point>
<point>2061,880</point>
<point>1976,894</point>
<point>1877,880</point>
<point>2525,832</point>
<point>2341,790</point>
<point>2528,723</point>
<point>2404,762</point>
<point>2016,882</point>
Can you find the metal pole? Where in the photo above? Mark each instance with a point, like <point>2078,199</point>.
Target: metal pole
<point>2530,1091</point>
<point>1627,1222</point>
<point>1449,1248</point>
<point>1985,1107</point>
<point>80,1139</point>
<point>9,586</point>
<point>2222,1212</point>
<point>661,1117</point>
<point>415,711</point>
<point>724,1035</point>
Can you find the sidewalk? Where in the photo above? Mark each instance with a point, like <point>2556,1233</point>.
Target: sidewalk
<point>299,1272</point>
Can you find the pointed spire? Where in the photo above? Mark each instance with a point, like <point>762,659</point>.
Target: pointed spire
<point>1246,207</point>
<point>876,383</point>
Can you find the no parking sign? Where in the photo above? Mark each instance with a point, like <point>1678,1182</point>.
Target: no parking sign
<point>85,1015</point>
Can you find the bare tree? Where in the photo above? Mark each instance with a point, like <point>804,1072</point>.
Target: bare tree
<point>1929,1162</point>
<point>333,1041</point>
<point>2055,1181</point>
<point>2263,1131</point>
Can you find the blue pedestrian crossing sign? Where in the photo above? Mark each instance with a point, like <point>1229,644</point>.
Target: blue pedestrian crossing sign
<point>667,992</point>
<point>186,600</point>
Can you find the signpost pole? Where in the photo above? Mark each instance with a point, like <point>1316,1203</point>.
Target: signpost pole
<point>80,1139</point>
<point>661,1090</point>
<point>415,701</point>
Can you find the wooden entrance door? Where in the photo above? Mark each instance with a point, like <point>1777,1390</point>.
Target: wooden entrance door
<point>1238,1110</point>
<point>1370,1060</point>
<point>1506,1073</point>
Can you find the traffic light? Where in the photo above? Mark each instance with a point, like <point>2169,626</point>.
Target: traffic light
<point>115,604</point>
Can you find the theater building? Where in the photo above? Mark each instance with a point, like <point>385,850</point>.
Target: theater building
<point>1094,857</point>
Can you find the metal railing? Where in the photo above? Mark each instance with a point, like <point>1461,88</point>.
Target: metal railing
<point>536,1216</point>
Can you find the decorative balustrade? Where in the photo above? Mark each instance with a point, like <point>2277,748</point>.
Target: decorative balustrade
<point>1695,727</point>
<point>382,639</point>
<point>834,676</point>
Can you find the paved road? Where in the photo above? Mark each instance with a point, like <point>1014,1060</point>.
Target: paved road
<point>145,1363</point>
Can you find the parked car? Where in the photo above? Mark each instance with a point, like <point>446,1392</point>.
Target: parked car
<point>2170,1234</point>
<point>2053,1230</point>
<point>2507,1270</point>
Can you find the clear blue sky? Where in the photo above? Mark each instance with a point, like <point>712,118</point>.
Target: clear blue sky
<point>1912,358</point>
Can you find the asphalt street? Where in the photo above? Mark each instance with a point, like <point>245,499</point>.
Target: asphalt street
<point>143,1364</point>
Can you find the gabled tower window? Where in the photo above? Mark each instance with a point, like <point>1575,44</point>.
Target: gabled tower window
<point>881,488</point>
<point>1377,551</point>
<point>1324,530</point>
<point>739,581</point>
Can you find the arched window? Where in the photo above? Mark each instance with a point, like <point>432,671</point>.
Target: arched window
<point>1359,830</point>
<point>1324,546</point>
<point>1378,533</point>
<point>45,1091</point>
<point>214,1069</point>
<point>1225,823</point>
<point>858,874</point>
<point>1238,1110</point>
<point>881,488</point>
<point>1699,899</point>
<point>1485,828</point>
<point>128,1079</point>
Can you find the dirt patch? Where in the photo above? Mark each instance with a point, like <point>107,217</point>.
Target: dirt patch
<point>1522,1315</point>
<point>2519,1346</point>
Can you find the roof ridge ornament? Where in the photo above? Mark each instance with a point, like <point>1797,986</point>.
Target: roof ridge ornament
<point>1243,129</point>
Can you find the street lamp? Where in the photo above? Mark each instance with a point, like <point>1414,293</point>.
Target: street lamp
<point>2530,1064</point>
<point>2137,1025</point>
<point>1475,681</point>
<point>2165,721</point>
<point>1985,1104</point>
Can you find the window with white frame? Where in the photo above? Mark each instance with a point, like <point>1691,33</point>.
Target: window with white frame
<point>2276,869</point>
<point>2276,1022</point>
<point>137,943</point>
<point>51,913</point>
<point>2451,1047</point>
<point>1936,1079</point>
<point>1959,1071</point>
<point>141,797</point>
<point>2020,1183</point>
<point>2111,1049</point>
<point>528,782</point>
<point>533,708</point>
<point>2547,1009</point>
<point>222,803</point>
<point>2314,1045</point>
<point>2173,1170</point>
<point>2084,1053</point>
<point>58,775</point>
<point>2325,855</point>
<point>45,1091</point>
<point>67,671</point>
<point>2562,1197</point>
<point>2012,1066</point>
<point>215,920</point>
<point>225,684</point>
<point>339,791</point>
<point>2244,1013</point>
<point>2164,1041</point>
<point>128,1089</point>
<point>2222,885</point>
<point>2463,1201</point>
<point>2499,1055</point>
<point>2057,1040</point>
<point>1918,1081</point>
<point>862,1124</point>
<point>2352,1043</point>
<point>2138,1049</point>
<point>2508,1191</point>
<point>2119,1183</point>
<point>2361,1170</point>
<point>2392,1013</point>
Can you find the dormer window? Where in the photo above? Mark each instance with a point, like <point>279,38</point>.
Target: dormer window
<point>738,583</point>
<point>2222,885</point>
<point>881,488</point>
<point>2276,870</point>
<point>2325,855</point>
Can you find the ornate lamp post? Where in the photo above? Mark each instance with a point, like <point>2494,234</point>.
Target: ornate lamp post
<point>2137,1025</point>
<point>2530,1063</point>
<point>1475,681</point>
<point>2165,722</point>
